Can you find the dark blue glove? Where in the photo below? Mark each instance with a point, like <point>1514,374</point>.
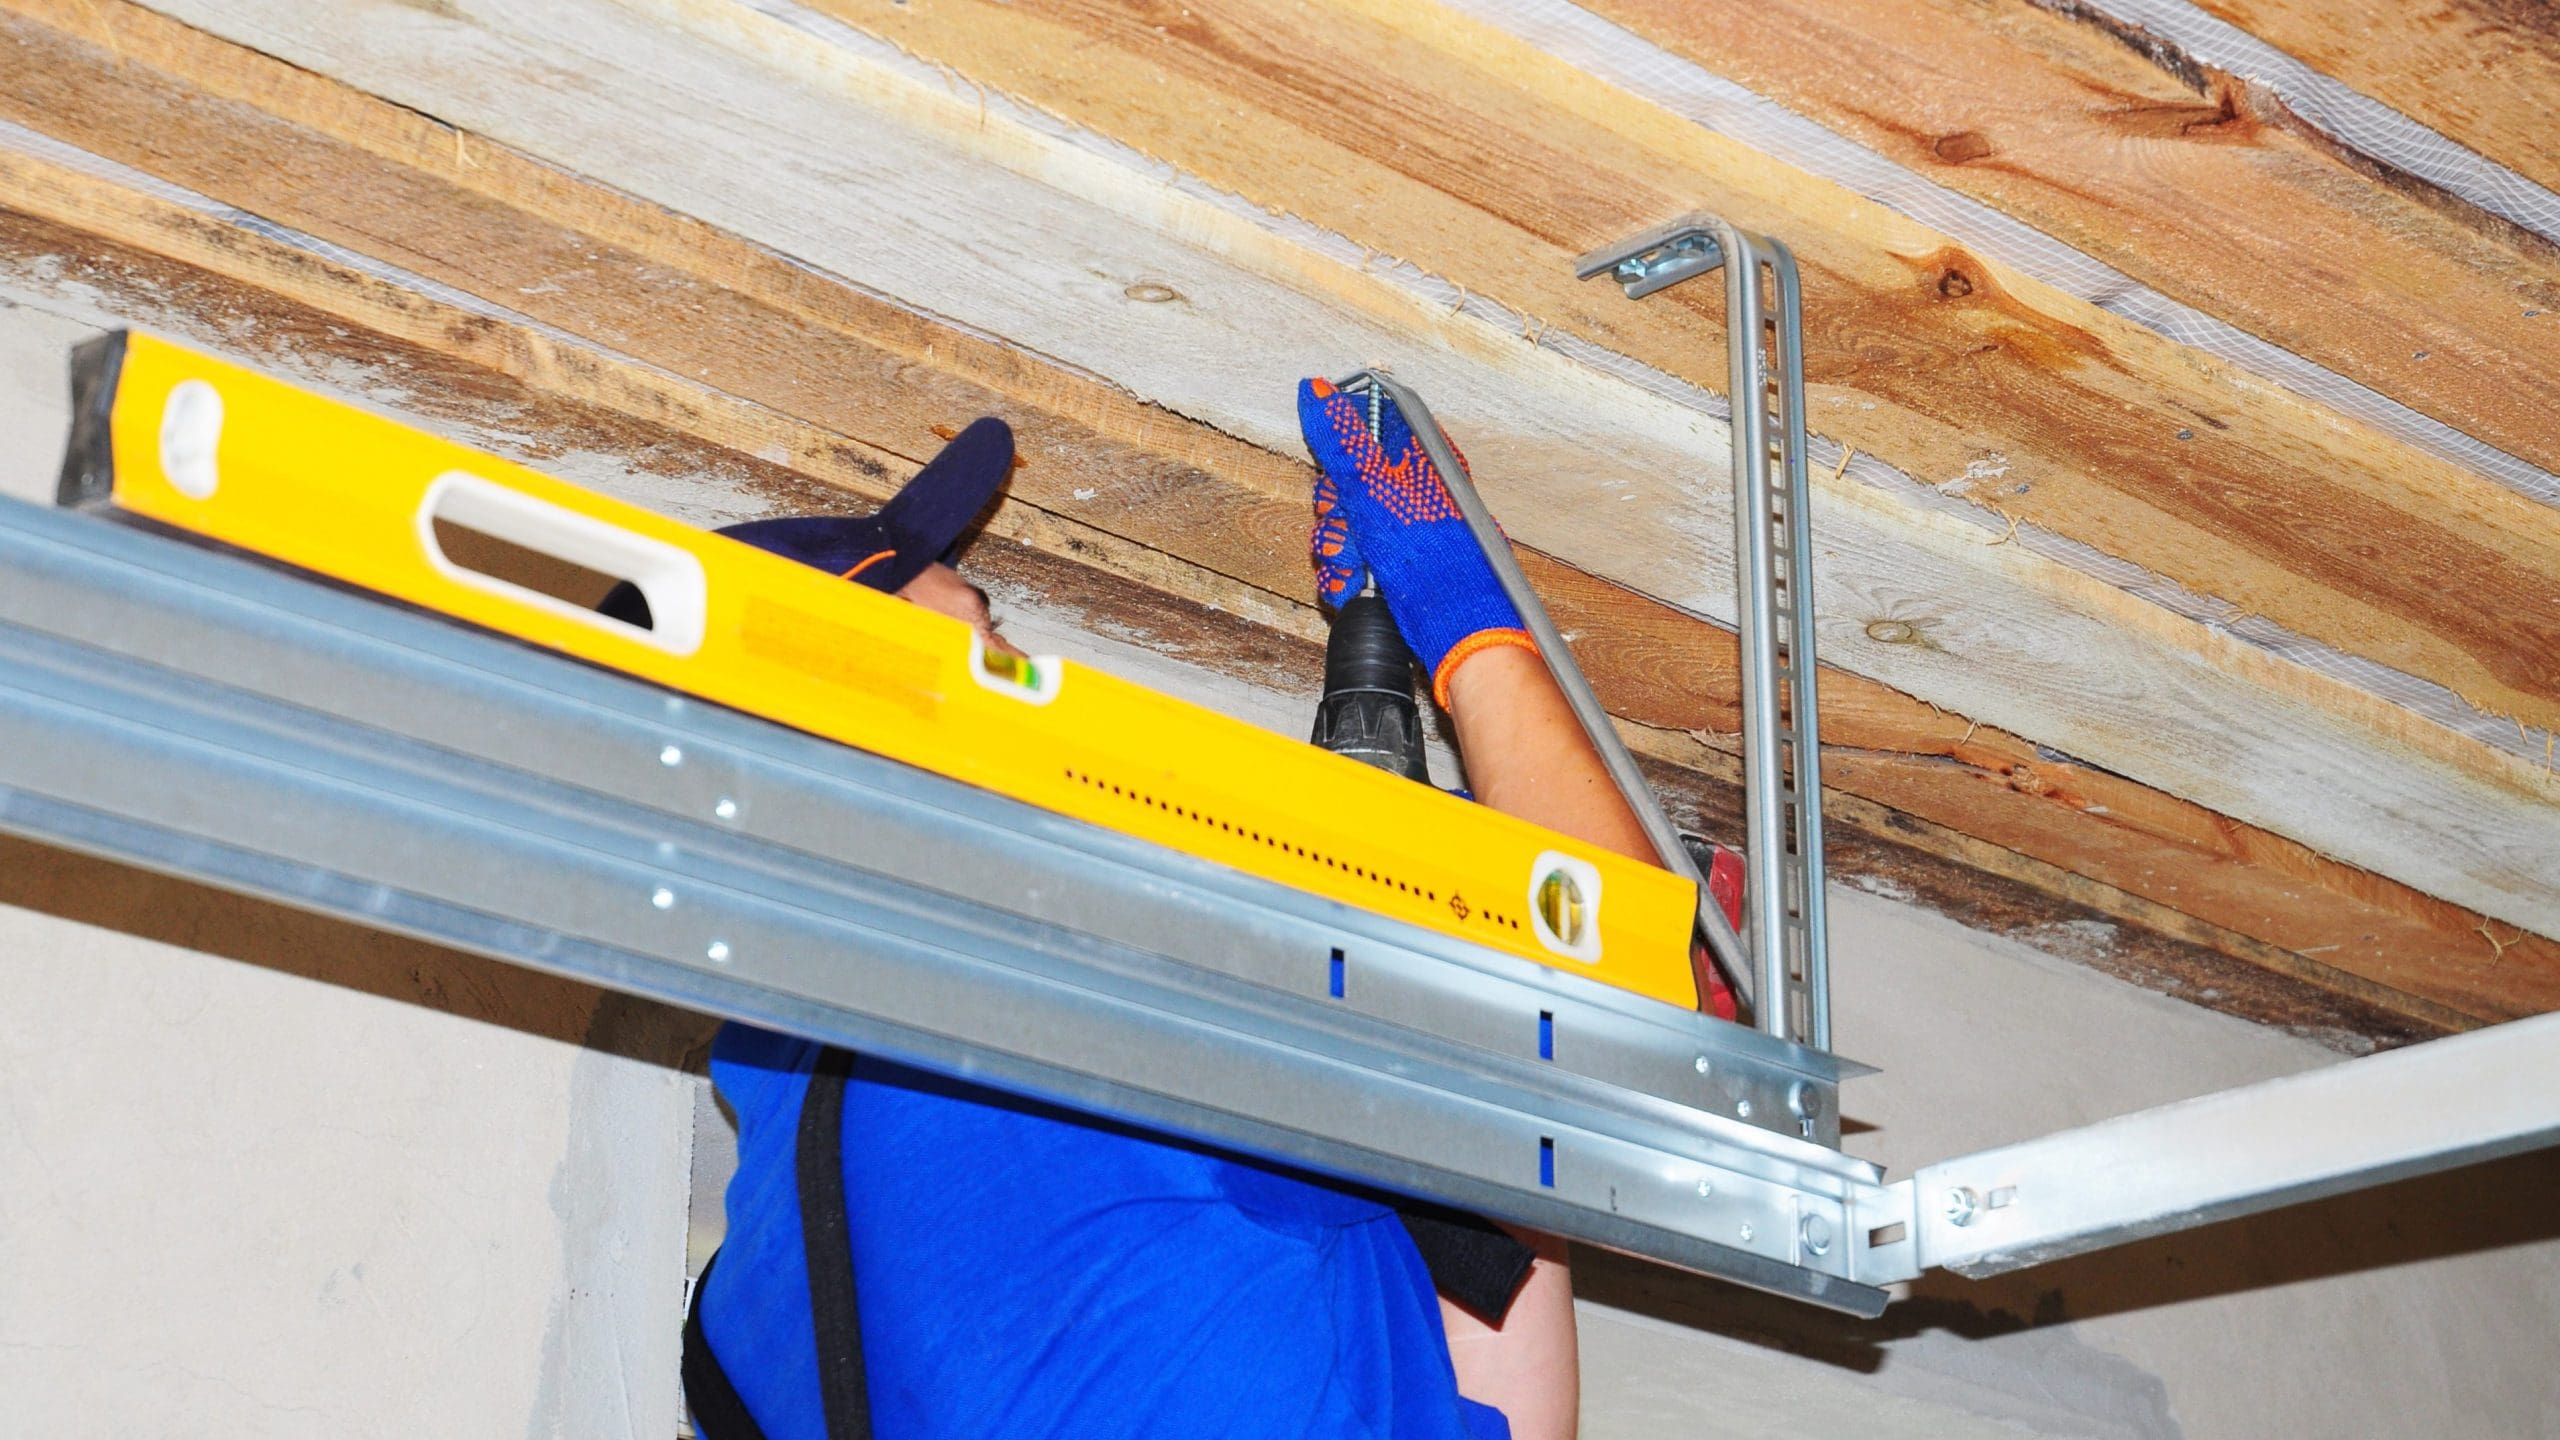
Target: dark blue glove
<point>1382,510</point>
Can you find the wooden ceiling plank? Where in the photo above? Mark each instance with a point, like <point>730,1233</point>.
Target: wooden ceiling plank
<point>2213,195</point>
<point>1680,671</point>
<point>1428,136</point>
<point>2484,73</point>
<point>2281,895</point>
<point>398,186</point>
<point>716,110</point>
<point>1859,817</point>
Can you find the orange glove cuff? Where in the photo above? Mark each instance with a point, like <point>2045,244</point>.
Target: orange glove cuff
<point>1477,643</point>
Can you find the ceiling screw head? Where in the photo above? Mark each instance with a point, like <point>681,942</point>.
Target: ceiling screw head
<point>663,898</point>
<point>1742,1108</point>
<point>1746,1234</point>
<point>1703,1066</point>
<point>1816,1233</point>
<point>672,755</point>
<point>1960,1205</point>
<point>727,809</point>
<point>1706,1189</point>
<point>719,952</point>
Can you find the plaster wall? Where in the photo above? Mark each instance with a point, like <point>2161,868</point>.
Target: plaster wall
<point>264,1174</point>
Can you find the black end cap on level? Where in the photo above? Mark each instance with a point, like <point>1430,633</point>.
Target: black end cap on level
<point>89,460</point>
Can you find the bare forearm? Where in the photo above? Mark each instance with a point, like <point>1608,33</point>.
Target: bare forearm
<point>1529,1368</point>
<point>1527,756</point>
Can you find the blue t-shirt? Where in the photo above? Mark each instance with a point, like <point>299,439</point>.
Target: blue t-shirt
<point>1028,1273</point>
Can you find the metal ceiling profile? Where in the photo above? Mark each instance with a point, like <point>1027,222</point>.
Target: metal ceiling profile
<point>202,715</point>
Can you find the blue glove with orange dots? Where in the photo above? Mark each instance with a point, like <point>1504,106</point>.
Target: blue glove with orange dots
<point>1382,510</point>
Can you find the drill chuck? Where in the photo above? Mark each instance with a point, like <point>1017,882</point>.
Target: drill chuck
<point>1368,710</point>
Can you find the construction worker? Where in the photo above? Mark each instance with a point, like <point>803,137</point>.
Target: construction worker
<point>1026,1271</point>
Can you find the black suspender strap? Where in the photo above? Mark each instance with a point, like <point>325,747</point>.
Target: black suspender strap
<point>827,1243</point>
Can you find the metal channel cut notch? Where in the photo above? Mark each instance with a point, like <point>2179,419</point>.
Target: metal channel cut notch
<point>1773,573</point>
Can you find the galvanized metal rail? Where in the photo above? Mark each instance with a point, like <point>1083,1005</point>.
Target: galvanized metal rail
<point>205,715</point>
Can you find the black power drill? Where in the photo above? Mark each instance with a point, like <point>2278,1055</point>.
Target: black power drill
<point>1368,710</point>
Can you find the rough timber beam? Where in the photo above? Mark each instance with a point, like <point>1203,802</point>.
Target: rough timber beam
<point>2192,182</point>
<point>2481,72</point>
<point>647,436</point>
<point>692,301</point>
<point>1425,135</point>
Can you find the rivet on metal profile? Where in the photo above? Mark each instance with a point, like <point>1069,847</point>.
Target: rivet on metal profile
<point>1816,1233</point>
<point>727,809</point>
<point>1806,1102</point>
<point>672,755</point>
<point>663,898</point>
<point>719,952</point>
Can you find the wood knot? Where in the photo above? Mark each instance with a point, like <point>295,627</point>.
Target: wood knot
<point>1963,147</point>
<point>1955,285</point>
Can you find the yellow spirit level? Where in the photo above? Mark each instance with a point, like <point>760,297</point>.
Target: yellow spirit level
<point>216,450</point>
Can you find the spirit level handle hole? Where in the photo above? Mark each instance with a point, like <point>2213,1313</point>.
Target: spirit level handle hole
<point>549,557</point>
